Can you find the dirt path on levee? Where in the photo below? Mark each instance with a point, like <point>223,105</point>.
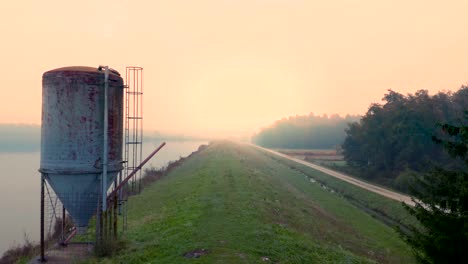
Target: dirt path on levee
<point>72,253</point>
<point>365,185</point>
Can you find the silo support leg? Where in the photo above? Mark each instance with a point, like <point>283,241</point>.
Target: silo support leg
<point>63,226</point>
<point>42,257</point>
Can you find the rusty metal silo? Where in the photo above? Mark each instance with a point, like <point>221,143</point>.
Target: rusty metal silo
<point>72,136</point>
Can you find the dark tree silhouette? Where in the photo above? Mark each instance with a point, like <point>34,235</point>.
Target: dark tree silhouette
<point>393,139</point>
<point>441,198</point>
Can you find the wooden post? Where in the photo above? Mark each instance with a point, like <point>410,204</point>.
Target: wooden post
<point>115,215</point>
<point>98,223</point>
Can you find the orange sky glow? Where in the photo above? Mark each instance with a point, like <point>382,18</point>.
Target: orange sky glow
<point>218,67</point>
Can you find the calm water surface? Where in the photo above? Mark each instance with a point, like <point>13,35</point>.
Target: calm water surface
<point>20,188</point>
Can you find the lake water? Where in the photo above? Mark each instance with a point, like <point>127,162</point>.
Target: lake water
<point>20,188</point>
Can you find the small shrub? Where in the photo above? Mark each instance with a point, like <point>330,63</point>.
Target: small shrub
<point>15,254</point>
<point>110,246</point>
<point>404,180</point>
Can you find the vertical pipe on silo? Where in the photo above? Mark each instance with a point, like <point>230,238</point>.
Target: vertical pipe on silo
<point>105,152</point>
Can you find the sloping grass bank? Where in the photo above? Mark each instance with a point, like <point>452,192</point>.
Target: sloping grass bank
<point>386,210</point>
<point>233,204</point>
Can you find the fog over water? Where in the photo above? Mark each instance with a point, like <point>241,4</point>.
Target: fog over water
<point>20,188</point>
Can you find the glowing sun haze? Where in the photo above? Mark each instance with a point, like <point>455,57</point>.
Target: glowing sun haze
<point>215,67</point>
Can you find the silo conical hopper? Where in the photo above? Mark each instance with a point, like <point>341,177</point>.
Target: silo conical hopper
<point>72,136</point>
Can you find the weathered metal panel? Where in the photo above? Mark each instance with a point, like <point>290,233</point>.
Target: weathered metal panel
<point>72,135</point>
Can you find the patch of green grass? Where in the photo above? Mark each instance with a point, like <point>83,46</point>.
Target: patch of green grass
<point>387,210</point>
<point>337,163</point>
<point>242,206</point>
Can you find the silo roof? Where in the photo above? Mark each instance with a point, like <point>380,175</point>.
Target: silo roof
<point>82,69</point>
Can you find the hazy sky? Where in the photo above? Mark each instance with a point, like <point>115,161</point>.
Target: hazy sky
<point>217,66</point>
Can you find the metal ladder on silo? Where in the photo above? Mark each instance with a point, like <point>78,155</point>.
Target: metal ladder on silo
<point>133,132</point>
<point>133,124</point>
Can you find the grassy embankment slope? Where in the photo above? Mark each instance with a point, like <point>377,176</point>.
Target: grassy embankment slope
<point>243,207</point>
<point>387,210</point>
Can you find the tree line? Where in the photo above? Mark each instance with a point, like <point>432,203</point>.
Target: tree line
<point>305,132</point>
<point>419,143</point>
<point>395,139</point>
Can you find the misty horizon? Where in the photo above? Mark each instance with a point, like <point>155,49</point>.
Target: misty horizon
<point>26,137</point>
<point>219,68</point>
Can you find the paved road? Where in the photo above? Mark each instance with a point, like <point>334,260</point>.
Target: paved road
<point>370,187</point>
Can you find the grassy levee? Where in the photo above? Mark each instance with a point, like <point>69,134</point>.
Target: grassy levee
<point>242,206</point>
